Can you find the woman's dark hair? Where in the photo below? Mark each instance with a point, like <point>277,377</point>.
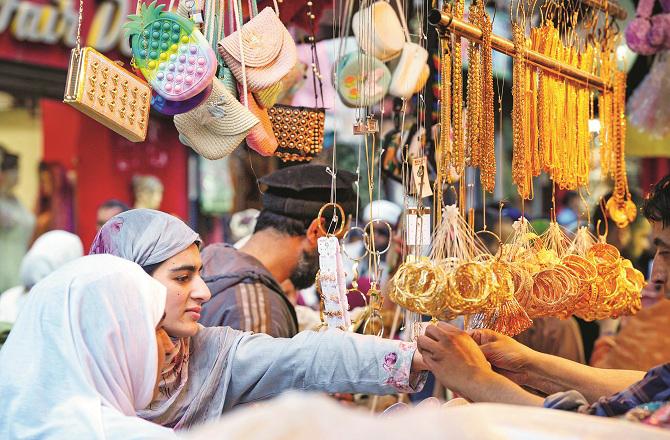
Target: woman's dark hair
<point>657,205</point>
<point>151,268</point>
<point>286,225</point>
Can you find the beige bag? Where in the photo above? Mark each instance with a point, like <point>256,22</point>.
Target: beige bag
<point>267,50</point>
<point>382,38</point>
<point>215,128</point>
<point>410,70</point>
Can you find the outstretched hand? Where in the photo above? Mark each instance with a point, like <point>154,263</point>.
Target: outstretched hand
<point>454,357</point>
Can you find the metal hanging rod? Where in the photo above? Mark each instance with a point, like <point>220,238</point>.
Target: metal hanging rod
<point>446,21</point>
<point>608,6</point>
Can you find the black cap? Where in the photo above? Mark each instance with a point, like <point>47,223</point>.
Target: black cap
<point>300,191</point>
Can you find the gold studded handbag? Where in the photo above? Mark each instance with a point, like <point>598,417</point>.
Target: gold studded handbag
<point>103,90</point>
<point>299,132</point>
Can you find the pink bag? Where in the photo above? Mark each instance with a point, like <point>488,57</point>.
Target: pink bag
<point>266,49</point>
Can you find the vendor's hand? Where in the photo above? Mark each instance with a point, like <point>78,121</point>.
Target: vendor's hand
<point>507,356</point>
<point>454,357</point>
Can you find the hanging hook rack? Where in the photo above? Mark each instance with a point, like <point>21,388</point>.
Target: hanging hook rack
<point>446,21</point>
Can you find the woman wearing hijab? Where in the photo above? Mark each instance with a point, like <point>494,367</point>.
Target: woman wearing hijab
<point>83,356</point>
<point>214,369</point>
<point>49,252</point>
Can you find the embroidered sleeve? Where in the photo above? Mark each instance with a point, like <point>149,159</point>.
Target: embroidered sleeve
<point>398,365</point>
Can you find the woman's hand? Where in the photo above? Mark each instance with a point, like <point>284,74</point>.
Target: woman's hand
<point>418,364</point>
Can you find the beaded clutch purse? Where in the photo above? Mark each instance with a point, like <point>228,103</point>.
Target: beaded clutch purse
<point>108,93</point>
<point>299,132</point>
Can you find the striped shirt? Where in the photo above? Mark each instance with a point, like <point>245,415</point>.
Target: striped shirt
<point>245,296</point>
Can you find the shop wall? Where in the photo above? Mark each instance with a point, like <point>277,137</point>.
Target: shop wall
<point>105,162</point>
<point>21,133</point>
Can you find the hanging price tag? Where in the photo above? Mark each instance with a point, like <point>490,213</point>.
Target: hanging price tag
<point>420,177</point>
<point>418,227</point>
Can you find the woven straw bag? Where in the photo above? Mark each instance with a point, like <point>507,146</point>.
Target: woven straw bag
<point>215,128</point>
<point>267,49</point>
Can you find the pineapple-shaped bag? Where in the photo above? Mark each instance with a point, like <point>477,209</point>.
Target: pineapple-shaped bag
<point>171,53</point>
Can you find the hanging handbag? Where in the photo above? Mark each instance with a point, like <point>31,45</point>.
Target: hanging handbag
<point>171,52</point>
<point>214,32</point>
<point>103,90</point>
<point>361,80</point>
<point>267,49</point>
<point>218,126</point>
<point>261,138</point>
<point>267,98</point>
<point>410,70</point>
<point>300,130</point>
<point>378,31</point>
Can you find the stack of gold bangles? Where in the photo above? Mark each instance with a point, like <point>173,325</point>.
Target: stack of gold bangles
<point>532,278</point>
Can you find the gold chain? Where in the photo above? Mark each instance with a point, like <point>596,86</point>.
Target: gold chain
<point>81,15</point>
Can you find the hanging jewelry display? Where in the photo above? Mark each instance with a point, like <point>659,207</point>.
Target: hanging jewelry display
<point>331,278</point>
<point>458,149</point>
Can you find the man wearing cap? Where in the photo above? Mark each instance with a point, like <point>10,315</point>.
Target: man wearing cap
<point>245,283</point>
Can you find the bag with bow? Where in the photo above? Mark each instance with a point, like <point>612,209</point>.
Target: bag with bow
<point>261,138</point>
<point>262,46</point>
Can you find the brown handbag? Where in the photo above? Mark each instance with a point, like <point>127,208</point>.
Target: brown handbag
<point>300,130</point>
<point>103,90</point>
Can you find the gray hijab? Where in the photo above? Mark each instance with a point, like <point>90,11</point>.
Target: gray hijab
<point>144,236</point>
<point>149,237</point>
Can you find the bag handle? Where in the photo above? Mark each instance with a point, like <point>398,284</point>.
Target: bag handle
<point>253,7</point>
<point>214,29</point>
<point>344,31</point>
<point>79,20</point>
<point>316,68</point>
<point>237,10</point>
<point>403,20</point>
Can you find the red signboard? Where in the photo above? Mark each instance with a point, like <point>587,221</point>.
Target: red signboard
<point>43,32</point>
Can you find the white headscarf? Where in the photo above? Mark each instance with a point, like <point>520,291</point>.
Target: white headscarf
<point>382,210</point>
<point>49,252</point>
<point>81,358</point>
